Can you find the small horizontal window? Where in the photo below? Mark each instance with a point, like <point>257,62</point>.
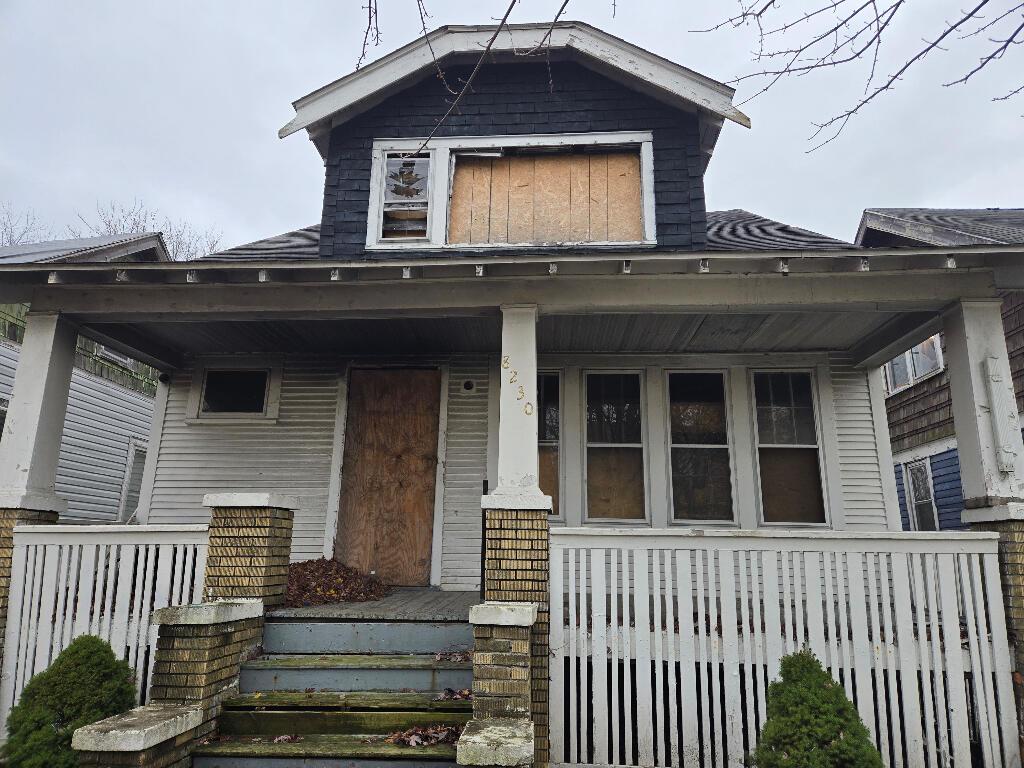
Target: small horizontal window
<point>240,391</point>
<point>915,364</point>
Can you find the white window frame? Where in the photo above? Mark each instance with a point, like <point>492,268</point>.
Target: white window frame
<point>908,491</point>
<point>5,405</point>
<point>441,152</point>
<point>561,439</point>
<point>134,444</point>
<point>729,446</point>
<point>913,378</point>
<point>819,447</point>
<point>113,356</point>
<point>271,403</point>
<point>645,445</point>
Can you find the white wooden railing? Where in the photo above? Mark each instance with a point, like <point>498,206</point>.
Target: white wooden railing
<point>103,580</point>
<point>663,642</point>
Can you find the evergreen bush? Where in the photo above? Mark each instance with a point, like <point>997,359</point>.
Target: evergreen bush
<point>85,683</point>
<point>811,723</point>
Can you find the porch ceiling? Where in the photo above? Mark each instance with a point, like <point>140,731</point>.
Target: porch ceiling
<point>170,342</point>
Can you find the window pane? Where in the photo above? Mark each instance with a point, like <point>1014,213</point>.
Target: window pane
<point>697,408</point>
<point>235,392</point>
<point>548,416</point>
<point>785,409</point>
<point>924,516</point>
<point>404,222</point>
<point>920,488</point>
<point>926,357</point>
<point>406,180</point>
<point>613,408</point>
<point>701,484</point>
<point>615,483</point>
<point>899,373</point>
<point>134,485</point>
<point>549,476</point>
<point>791,485</point>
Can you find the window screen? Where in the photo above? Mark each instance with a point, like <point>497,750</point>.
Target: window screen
<point>406,191</point>
<point>235,391</point>
<point>548,434</point>
<point>615,455</point>
<point>921,497</point>
<point>568,197</point>
<point>701,478</point>
<point>787,449</point>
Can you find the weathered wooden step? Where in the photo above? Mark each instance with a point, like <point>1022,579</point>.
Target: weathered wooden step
<point>320,751</point>
<point>350,636</point>
<point>355,701</point>
<point>354,672</point>
<point>274,722</point>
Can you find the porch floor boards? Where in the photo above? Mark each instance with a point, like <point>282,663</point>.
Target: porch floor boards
<point>404,604</point>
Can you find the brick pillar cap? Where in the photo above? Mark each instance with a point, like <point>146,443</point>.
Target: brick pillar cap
<point>271,500</point>
<point>997,513</point>
<point>138,729</point>
<point>497,614</point>
<point>216,612</point>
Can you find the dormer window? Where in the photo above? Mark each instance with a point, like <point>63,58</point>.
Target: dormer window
<point>592,189</point>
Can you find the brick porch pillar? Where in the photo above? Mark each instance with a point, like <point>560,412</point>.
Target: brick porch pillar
<point>991,451</point>
<point>516,512</point>
<point>249,546</point>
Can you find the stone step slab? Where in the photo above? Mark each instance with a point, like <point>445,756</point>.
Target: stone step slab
<point>295,637</point>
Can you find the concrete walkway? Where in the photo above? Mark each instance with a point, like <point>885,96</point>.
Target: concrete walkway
<point>404,604</point>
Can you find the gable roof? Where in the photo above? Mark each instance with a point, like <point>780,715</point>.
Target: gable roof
<point>945,226</point>
<point>148,246</point>
<point>638,68</point>
<point>732,230</point>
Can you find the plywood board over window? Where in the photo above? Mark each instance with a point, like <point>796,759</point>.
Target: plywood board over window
<point>561,198</point>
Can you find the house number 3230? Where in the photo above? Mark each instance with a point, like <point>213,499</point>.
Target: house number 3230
<point>506,365</point>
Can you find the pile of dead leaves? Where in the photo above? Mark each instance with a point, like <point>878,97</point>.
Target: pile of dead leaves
<point>450,694</point>
<point>318,582</point>
<point>425,736</point>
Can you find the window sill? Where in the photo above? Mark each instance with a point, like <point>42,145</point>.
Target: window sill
<point>423,245</point>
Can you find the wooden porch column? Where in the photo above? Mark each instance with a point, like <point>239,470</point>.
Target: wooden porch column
<point>991,451</point>
<point>516,513</point>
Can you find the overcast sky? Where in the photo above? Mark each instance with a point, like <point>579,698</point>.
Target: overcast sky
<point>177,104</point>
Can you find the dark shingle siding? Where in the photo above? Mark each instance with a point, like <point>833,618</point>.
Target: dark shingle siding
<point>946,490</point>
<point>510,99</point>
<point>901,497</point>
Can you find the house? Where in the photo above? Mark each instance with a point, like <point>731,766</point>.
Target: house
<point>110,403</point>
<point>918,402</point>
<point>519,356</point>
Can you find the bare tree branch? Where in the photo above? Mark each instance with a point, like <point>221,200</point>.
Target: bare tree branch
<point>372,34</point>
<point>546,40</point>
<point>996,54</point>
<point>183,241</point>
<point>20,228</point>
<point>422,8</point>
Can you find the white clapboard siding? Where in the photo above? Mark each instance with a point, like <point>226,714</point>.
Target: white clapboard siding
<point>664,642</point>
<point>102,580</point>
<point>860,472</point>
<point>465,469</point>
<point>291,456</point>
<point>102,419</point>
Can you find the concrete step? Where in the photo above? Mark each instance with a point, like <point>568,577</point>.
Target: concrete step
<point>320,751</point>
<point>349,701</point>
<point>348,636</point>
<point>353,672</point>
<point>274,722</point>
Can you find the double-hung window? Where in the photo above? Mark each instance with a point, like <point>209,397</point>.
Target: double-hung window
<point>915,364</point>
<point>920,496</point>
<point>789,464</point>
<point>698,428</point>
<point>615,447</point>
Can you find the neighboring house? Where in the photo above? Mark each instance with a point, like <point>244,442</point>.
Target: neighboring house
<point>918,401</point>
<point>110,404</point>
<point>522,356</point>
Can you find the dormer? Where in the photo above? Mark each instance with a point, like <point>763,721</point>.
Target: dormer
<point>589,143</point>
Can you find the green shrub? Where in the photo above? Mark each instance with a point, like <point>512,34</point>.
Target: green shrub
<point>811,723</point>
<point>85,683</point>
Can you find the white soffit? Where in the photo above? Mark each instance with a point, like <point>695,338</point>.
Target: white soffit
<point>354,93</point>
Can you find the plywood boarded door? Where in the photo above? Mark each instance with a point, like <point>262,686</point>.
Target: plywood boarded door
<point>386,518</point>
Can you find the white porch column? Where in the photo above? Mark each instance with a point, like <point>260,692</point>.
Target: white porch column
<point>984,412</point>
<point>518,464</point>
<point>30,446</point>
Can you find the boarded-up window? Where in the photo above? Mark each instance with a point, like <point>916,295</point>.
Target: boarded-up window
<point>701,478</point>
<point>548,435</point>
<point>560,198</point>
<point>615,453</point>
<point>787,449</point>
